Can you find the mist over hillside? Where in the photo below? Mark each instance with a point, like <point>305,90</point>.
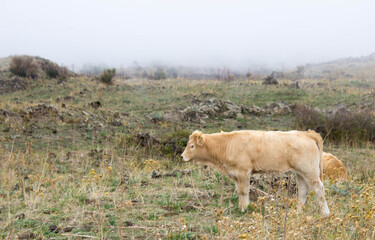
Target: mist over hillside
<point>99,100</point>
<point>271,34</point>
<point>352,67</point>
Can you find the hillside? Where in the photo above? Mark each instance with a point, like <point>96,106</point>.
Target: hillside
<point>351,67</point>
<point>80,159</point>
<point>5,62</point>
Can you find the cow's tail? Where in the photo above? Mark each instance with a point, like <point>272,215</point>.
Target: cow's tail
<point>319,143</point>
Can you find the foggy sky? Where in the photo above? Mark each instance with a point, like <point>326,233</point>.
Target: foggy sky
<point>204,33</point>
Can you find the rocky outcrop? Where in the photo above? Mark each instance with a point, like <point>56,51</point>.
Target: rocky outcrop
<point>201,110</point>
<point>278,108</point>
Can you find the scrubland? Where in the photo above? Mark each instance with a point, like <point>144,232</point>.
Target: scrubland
<point>81,160</point>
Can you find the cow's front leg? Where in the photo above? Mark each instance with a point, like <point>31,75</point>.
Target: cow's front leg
<point>242,187</point>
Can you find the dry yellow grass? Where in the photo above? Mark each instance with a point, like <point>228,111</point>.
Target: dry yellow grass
<point>98,183</point>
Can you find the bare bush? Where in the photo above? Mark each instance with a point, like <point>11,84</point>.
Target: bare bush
<point>107,76</point>
<point>24,66</point>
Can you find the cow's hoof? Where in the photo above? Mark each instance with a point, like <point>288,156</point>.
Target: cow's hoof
<point>243,208</point>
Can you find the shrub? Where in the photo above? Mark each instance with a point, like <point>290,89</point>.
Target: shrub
<point>63,73</point>
<point>107,76</point>
<point>341,126</point>
<point>160,74</point>
<point>351,127</point>
<point>270,80</point>
<point>24,66</point>
<point>51,69</point>
<point>308,118</point>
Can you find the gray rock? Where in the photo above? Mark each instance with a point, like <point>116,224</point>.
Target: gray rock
<point>156,174</point>
<point>278,108</point>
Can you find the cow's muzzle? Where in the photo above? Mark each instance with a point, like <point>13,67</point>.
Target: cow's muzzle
<point>184,158</point>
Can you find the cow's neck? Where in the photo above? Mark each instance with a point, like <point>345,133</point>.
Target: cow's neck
<point>216,153</point>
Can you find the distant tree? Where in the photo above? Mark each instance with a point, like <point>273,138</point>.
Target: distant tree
<point>160,74</point>
<point>248,75</point>
<point>145,75</point>
<point>173,72</point>
<point>229,76</point>
<point>107,76</point>
<point>24,66</point>
<point>300,71</point>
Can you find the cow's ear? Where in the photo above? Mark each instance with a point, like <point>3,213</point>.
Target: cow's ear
<point>200,140</point>
<point>198,137</point>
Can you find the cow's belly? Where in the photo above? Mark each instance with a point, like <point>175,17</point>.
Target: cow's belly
<point>270,171</point>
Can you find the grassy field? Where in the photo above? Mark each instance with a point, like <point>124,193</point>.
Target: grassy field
<point>69,170</point>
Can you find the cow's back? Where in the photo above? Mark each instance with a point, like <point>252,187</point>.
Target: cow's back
<point>333,167</point>
<point>270,150</point>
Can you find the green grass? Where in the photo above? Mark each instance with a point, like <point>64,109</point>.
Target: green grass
<point>46,175</point>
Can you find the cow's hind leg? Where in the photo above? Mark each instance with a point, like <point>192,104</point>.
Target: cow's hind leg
<point>242,187</point>
<point>318,187</point>
<point>303,190</point>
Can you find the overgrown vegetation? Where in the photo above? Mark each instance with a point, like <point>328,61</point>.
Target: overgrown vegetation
<point>340,126</point>
<point>51,69</point>
<point>270,80</point>
<point>107,76</point>
<point>63,73</point>
<point>24,66</point>
<point>160,74</point>
<point>71,170</point>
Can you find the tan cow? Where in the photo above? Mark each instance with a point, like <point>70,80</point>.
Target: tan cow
<point>334,168</point>
<point>238,154</point>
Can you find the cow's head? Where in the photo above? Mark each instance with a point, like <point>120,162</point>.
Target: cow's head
<point>194,149</point>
